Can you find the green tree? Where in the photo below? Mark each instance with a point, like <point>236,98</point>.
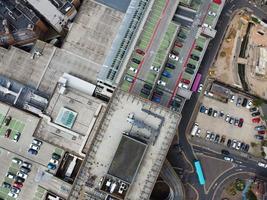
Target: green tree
<point>263,154</point>
<point>264,143</point>
<point>251,196</point>
<point>257,102</point>
<point>264,117</point>
<point>253,144</point>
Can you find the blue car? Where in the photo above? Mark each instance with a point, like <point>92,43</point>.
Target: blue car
<point>32,151</point>
<point>170,65</point>
<point>202,109</point>
<point>51,166</point>
<point>156,99</point>
<point>166,74</point>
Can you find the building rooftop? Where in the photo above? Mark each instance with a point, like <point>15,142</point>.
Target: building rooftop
<point>127,159</point>
<point>100,159</point>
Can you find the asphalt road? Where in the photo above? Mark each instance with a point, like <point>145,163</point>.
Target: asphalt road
<point>246,166</point>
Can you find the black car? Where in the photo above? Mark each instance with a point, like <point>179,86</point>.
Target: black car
<point>253,109</point>
<point>225,152</point>
<point>217,138</point>
<point>25,169</point>
<point>246,148</point>
<point>242,147</point>
<point>210,111</point>
<point>255,114</point>
<point>56,156</point>
<point>147,86</point>
<point>136,61</point>
<point>6,185</point>
<point>7,120</point>
<point>199,48</point>
<point>189,65</point>
<point>19,179</point>
<point>169,65</point>
<point>194,57</point>
<point>145,91</point>
<point>244,103</point>
<point>229,142</point>
<point>189,71</point>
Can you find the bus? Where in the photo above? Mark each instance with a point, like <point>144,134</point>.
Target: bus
<point>200,174</point>
<point>196,82</point>
<point>194,129</point>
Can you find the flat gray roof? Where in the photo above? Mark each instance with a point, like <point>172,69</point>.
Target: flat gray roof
<point>127,159</point>
<point>117,5</point>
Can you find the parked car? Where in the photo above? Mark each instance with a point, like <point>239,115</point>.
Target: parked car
<point>18,185</point>
<point>222,139</point>
<point>17,161</point>
<point>253,109</point>
<point>240,123</point>
<point>246,148</point>
<point>259,137</point>
<point>147,86</point>
<point>215,113</point>
<point>136,61</point>
<point>232,99</point>
<point>173,57</point>
<point>56,156</point>
<point>166,74</point>
<point>238,101</point>
<point>6,185</point>
<point>221,114</point>
<point>186,81</point>
<point>227,118</point>
<point>22,175</point>
<point>217,138</point>
<point>27,164</point>
<point>249,104</point>
<point>34,147</point>
<point>200,88</point>
<point>210,111</point>
<point>7,120</point>
<point>234,144</point>
<point>32,151</point>
<point>19,179</point>
<point>262,164</point>
<point>244,103</point>
<point>175,53</point>
<point>208,133</point>
<point>229,142</point>
<point>178,44</point>
<point>194,57</point>
<point>169,65</point>
<point>212,137</point>
<point>7,133</point>
<point>189,65</point>
<point>51,166</point>
<point>10,175</point>
<point>256,120</point>
<point>15,190</point>
<point>236,122</point>
<point>202,109</point>
<point>225,152</point>
<point>231,121</point>
<point>210,13</point>
<point>156,99</point>
<point>24,169</point>
<point>129,79</point>
<point>16,137</point>
<point>156,69</point>
<point>228,159</point>
<point>189,71</point>
<point>12,195</point>
<point>260,128</point>
<point>37,142</point>
<point>133,69</point>
<point>255,114</point>
<point>160,82</point>
<point>261,132</point>
<point>139,51</point>
<point>145,91</point>
<point>158,92</point>
<point>199,48</point>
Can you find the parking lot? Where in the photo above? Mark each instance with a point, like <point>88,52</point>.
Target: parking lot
<point>234,128</point>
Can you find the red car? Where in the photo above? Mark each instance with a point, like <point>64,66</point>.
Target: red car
<point>185,81</point>
<point>256,120</point>
<point>261,132</point>
<point>18,185</point>
<point>178,44</point>
<point>240,123</point>
<point>7,134</point>
<point>139,51</point>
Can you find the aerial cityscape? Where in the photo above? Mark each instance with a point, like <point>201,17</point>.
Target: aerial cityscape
<point>133,99</point>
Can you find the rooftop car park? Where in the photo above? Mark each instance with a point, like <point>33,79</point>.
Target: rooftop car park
<point>161,81</point>
<point>236,122</point>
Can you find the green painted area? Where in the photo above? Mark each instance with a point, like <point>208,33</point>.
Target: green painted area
<point>58,151</point>
<point>193,62</point>
<point>214,7</point>
<point>125,86</point>
<point>151,77</point>
<point>209,20</point>
<point>196,52</point>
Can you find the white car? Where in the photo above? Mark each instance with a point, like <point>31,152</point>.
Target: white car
<point>37,142</point>
<point>53,161</point>
<point>262,164</point>
<point>198,132</point>
<point>17,161</point>
<point>10,175</point>
<point>156,69</point>
<point>160,82</point>
<point>232,99</point>
<point>210,13</point>
<point>173,57</point>
<point>206,26</point>
<point>182,85</point>
<point>228,159</point>
<point>34,147</point>
<point>13,195</point>
<point>200,88</point>
<point>22,175</point>
<point>133,70</point>
<point>249,104</point>
<point>227,118</point>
